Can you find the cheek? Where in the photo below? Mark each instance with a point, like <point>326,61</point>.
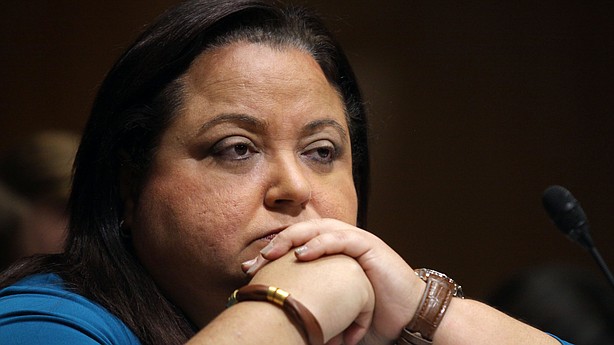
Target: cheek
<point>189,220</point>
<point>338,200</point>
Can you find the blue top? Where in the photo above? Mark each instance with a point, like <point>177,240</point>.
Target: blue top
<point>563,342</point>
<point>39,310</point>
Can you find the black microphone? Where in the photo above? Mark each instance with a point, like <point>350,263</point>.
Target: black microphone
<point>567,214</point>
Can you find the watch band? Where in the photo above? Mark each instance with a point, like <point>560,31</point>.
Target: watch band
<point>437,296</point>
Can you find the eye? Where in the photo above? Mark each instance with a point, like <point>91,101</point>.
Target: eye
<point>324,152</point>
<point>234,149</point>
<point>321,151</point>
<point>240,149</point>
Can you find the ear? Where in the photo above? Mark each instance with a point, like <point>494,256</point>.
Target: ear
<point>127,189</point>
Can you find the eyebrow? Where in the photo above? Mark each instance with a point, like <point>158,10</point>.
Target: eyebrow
<point>260,125</point>
<point>317,124</point>
<point>244,119</point>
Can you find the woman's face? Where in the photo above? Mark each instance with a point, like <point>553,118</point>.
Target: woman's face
<point>260,142</point>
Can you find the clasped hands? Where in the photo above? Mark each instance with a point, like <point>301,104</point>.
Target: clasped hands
<point>359,289</point>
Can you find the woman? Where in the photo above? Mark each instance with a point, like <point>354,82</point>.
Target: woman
<point>230,132</point>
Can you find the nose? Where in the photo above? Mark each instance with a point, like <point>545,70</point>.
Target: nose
<point>289,189</point>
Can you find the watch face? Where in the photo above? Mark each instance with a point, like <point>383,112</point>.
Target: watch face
<point>425,273</point>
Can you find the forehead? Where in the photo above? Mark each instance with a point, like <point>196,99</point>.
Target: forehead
<point>256,61</point>
<point>259,76</point>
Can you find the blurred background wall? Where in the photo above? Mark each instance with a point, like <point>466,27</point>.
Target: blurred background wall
<point>476,108</point>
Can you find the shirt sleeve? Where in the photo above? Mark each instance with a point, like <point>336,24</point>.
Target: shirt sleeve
<point>44,314</point>
<point>563,342</point>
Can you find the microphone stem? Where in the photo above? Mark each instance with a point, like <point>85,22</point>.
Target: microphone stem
<point>604,267</point>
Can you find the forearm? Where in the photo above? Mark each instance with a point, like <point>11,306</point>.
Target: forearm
<point>398,290</point>
<point>334,289</point>
<point>250,323</point>
<point>468,322</point>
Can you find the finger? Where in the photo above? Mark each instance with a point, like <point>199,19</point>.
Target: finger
<point>336,340</point>
<point>300,233</point>
<point>348,242</point>
<point>257,265</point>
<point>245,266</point>
<point>293,236</point>
<point>354,334</point>
<point>358,329</point>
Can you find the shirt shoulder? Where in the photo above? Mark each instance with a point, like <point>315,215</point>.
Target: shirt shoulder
<point>563,342</point>
<point>39,309</point>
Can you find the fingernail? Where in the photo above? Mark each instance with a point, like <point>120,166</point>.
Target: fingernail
<point>260,261</point>
<point>247,264</point>
<point>267,249</point>
<point>301,250</point>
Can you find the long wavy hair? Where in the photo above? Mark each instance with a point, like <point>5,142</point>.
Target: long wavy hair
<point>134,105</point>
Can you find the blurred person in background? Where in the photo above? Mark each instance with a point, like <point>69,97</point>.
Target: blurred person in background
<point>35,177</point>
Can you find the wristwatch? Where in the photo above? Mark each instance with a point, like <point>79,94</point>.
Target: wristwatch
<point>439,292</point>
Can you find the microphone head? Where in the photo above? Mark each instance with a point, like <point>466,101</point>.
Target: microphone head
<point>567,214</point>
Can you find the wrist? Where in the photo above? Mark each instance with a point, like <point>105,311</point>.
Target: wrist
<point>300,316</point>
<point>334,289</point>
<point>417,291</point>
<point>244,322</point>
<point>431,309</point>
